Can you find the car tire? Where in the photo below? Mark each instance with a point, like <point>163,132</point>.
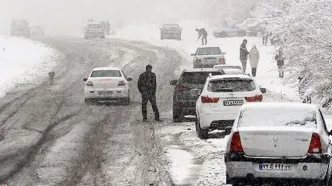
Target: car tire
<point>202,133</point>
<point>88,101</point>
<point>177,115</point>
<point>223,34</point>
<point>126,101</point>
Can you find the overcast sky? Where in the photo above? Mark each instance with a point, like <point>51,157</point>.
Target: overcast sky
<point>69,16</point>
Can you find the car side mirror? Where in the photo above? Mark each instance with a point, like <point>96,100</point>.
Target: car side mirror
<point>223,53</point>
<point>85,79</point>
<point>192,54</point>
<point>129,79</point>
<point>263,90</point>
<point>330,133</point>
<point>195,92</point>
<point>174,82</point>
<point>228,130</point>
<point>159,28</point>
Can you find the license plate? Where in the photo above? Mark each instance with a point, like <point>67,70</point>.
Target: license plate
<point>233,102</point>
<point>105,93</point>
<point>275,166</point>
<point>210,60</point>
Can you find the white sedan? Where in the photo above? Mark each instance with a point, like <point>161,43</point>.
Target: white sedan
<point>220,101</point>
<point>208,56</point>
<point>279,141</point>
<point>107,83</point>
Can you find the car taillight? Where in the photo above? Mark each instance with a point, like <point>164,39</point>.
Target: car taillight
<point>257,98</point>
<point>89,84</point>
<point>315,144</point>
<point>236,145</point>
<point>222,60</point>
<point>180,88</point>
<point>121,83</point>
<point>207,99</point>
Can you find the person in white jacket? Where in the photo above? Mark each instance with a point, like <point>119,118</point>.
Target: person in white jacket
<point>254,59</point>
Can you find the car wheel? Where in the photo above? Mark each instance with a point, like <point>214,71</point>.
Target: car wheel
<point>223,34</point>
<point>88,101</point>
<point>202,133</point>
<point>177,115</point>
<point>126,101</point>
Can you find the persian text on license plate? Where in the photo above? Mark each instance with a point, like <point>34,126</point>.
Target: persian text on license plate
<point>275,166</point>
<point>233,102</point>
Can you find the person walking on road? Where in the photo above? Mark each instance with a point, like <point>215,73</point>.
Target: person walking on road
<point>147,86</point>
<point>280,62</point>
<point>202,33</point>
<point>254,59</point>
<point>244,55</point>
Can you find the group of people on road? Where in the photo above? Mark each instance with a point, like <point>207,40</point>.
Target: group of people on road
<point>254,57</point>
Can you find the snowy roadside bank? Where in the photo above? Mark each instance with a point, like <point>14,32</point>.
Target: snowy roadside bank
<point>24,62</point>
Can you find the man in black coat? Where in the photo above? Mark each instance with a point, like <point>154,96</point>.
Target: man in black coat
<point>147,86</point>
<point>244,55</point>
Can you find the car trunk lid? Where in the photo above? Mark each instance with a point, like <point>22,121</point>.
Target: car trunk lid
<point>104,83</point>
<point>275,141</point>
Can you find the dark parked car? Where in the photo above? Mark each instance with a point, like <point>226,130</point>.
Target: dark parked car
<point>184,97</point>
<point>170,31</point>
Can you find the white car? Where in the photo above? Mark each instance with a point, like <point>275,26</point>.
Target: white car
<point>107,83</point>
<point>208,56</point>
<point>279,141</point>
<point>219,103</point>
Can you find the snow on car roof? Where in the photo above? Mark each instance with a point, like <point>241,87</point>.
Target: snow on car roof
<point>209,46</point>
<point>106,68</point>
<point>271,105</point>
<point>202,70</point>
<point>241,76</point>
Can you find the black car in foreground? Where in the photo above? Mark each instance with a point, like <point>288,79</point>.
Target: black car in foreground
<point>184,97</point>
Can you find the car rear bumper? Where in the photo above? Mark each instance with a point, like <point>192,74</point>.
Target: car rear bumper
<point>217,120</point>
<point>96,94</point>
<point>94,34</point>
<point>170,35</point>
<point>310,167</point>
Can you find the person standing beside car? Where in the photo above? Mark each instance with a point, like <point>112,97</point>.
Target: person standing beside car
<point>244,55</point>
<point>147,86</point>
<point>254,59</point>
<point>280,62</point>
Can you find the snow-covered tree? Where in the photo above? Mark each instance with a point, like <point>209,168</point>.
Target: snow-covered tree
<point>306,30</point>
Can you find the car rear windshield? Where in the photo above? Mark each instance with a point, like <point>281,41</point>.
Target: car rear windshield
<point>231,85</point>
<point>169,26</point>
<point>274,117</point>
<point>95,26</point>
<point>209,51</point>
<point>106,73</point>
<point>196,77</point>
